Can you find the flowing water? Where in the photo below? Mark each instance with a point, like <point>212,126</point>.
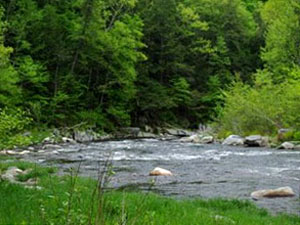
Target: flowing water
<point>199,170</point>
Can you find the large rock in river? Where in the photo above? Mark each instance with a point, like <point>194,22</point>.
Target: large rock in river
<point>273,193</point>
<point>256,141</point>
<point>286,145</point>
<point>233,140</point>
<point>160,172</point>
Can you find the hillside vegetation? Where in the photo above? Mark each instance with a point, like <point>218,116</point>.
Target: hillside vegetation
<point>116,63</point>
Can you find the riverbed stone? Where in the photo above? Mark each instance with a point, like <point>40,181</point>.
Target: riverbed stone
<point>194,138</point>
<point>142,134</point>
<point>233,140</point>
<point>256,141</point>
<point>160,172</point>
<point>207,139</point>
<point>68,140</point>
<point>48,140</point>
<point>85,136</point>
<point>198,138</point>
<point>286,145</point>
<point>51,147</point>
<point>130,131</point>
<point>24,152</point>
<point>178,132</point>
<point>273,193</point>
<point>148,129</point>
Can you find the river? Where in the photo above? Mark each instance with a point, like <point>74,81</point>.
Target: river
<point>205,171</point>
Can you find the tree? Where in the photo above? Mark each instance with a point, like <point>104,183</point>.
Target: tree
<point>282,50</point>
<point>9,91</point>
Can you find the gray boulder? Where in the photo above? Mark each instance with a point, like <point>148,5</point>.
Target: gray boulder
<point>256,141</point>
<point>85,136</point>
<point>130,131</point>
<point>207,139</point>
<point>198,138</point>
<point>178,132</point>
<point>148,129</point>
<point>233,140</point>
<point>51,147</point>
<point>49,140</point>
<point>146,135</point>
<point>68,140</point>
<point>273,193</point>
<point>286,145</point>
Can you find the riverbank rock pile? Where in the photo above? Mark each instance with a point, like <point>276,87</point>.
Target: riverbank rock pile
<point>198,138</point>
<point>160,172</point>
<point>273,193</point>
<point>178,132</point>
<point>249,141</point>
<point>12,173</point>
<point>12,152</point>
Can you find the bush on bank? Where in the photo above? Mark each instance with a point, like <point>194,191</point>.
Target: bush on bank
<point>262,109</point>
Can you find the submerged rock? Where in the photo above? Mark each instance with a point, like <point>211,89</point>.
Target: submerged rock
<point>160,172</point>
<point>233,140</point>
<point>273,193</point>
<point>256,141</point>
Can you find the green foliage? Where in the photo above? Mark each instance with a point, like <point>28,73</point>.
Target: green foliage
<point>9,90</point>
<point>263,108</point>
<point>12,123</point>
<point>92,118</point>
<point>281,52</point>
<point>135,62</point>
<point>181,92</point>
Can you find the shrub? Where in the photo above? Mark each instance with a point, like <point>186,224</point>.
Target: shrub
<point>12,123</point>
<point>261,109</point>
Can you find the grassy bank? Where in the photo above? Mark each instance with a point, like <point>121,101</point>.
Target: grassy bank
<point>75,200</point>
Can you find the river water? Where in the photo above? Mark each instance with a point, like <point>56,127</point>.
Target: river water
<point>206,171</point>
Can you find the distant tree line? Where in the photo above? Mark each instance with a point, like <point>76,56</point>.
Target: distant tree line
<point>115,63</point>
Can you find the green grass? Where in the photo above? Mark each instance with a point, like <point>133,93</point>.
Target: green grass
<point>71,200</point>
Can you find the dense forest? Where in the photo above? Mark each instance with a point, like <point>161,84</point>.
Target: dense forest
<point>116,63</point>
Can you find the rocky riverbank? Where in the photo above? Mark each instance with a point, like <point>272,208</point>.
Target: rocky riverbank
<point>58,138</point>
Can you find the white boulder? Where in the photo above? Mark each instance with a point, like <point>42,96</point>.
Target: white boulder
<point>160,172</point>
<point>286,145</point>
<point>273,193</point>
<point>233,140</point>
